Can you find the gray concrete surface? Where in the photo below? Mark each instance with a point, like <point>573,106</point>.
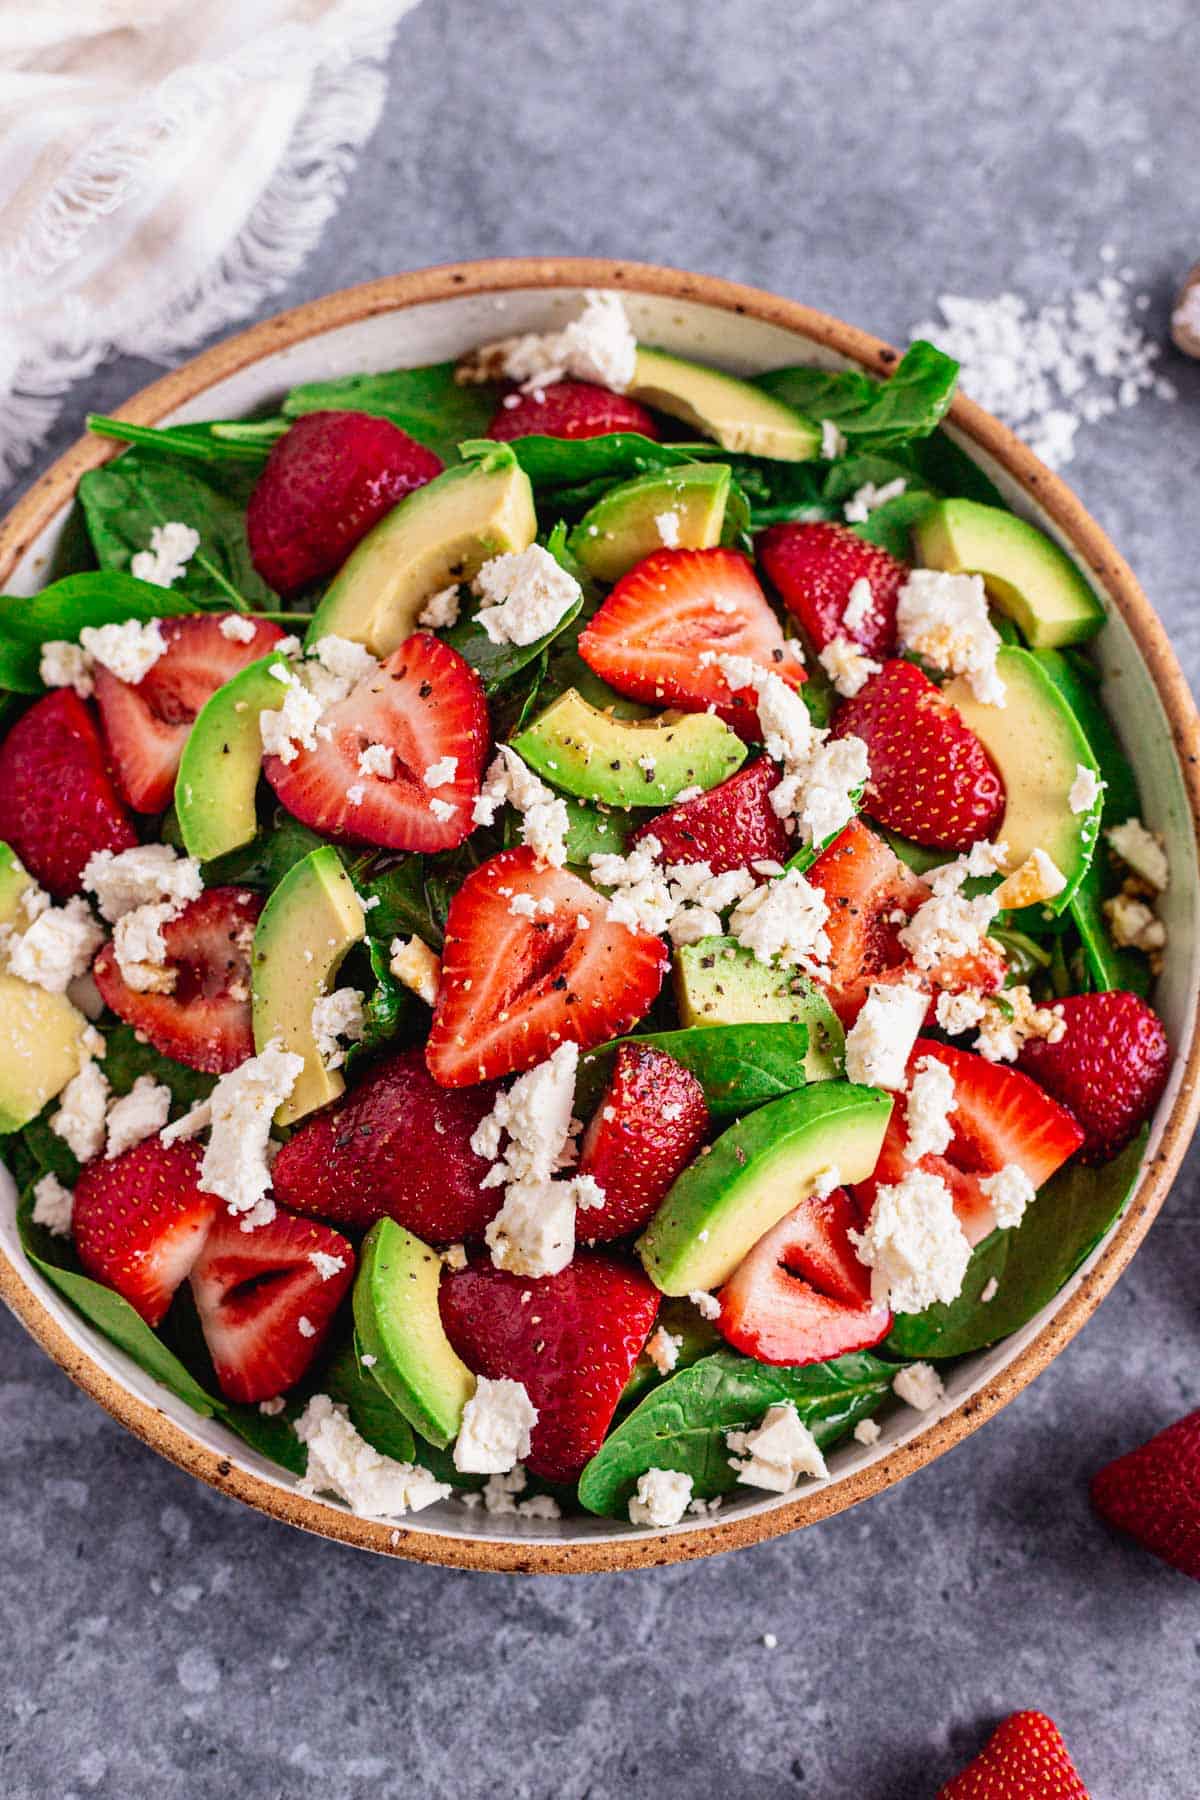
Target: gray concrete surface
<point>161,1641</point>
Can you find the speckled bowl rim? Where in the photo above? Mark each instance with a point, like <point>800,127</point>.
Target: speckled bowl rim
<point>55,489</point>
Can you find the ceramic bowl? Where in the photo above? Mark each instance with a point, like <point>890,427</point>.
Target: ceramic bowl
<point>435,314</point>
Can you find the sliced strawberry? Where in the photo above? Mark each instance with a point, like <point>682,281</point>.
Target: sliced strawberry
<point>140,1221</point>
<point>571,1338</point>
<point>1110,1067</point>
<point>397,1145</point>
<point>266,1299</point>
<point>425,703</point>
<point>1153,1493</point>
<point>204,1021</point>
<point>1024,1759</point>
<point>146,726</point>
<point>801,1295</point>
<point>570,409</point>
<point>813,568</point>
<point>58,804</point>
<point>648,1126</point>
<point>674,608</point>
<point>327,481</point>
<point>729,827</point>
<point>931,778</point>
<point>514,987</point>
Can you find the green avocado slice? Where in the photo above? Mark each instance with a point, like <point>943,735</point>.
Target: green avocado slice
<point>398,1323</point>
<point>718,982</point>
<point>1025,572</point>
<point>738,415</point>
<point>221,763</point>
<point>627,762</point>
<point>623,526</point>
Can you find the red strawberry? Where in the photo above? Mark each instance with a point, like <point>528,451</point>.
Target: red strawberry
<point>572,1338</point>
<point>146,726</point>
<point>931,778</point>
<point>265,1305</point>
<point>327,481</point>
<point>204,1021</point>
<point>801,1295</point>
<point>813,568</point>
<point>140,1222</point>
<point>57,801</point>
<point>1024,1759</point>
<point>671,609</point>
<point>649,1125</point>
<point>1153,1493</point>
<point>570,409</point>
<point>1110,1068</point>
<point>425,703</point>
<point>514,987</point>
<point>729,827</point>
<point>397,1145</point>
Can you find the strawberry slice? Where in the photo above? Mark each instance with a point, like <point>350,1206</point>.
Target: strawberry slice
<point>425,704</point>
<point>266,1299</point>
<point>813,568</point>
<point>146,727</point>
<point>58,804</point>
<point>326,482</point>
<point>648,1126</point>
<point>1110,1068</point>
<point>931,778</point>
<point>1024,1759</point>
<point>514,987</point>
<point>572,1338</point>
<point>729,827</point>
<point>1153,1493</point>
<point>140,1222</point>
<point>801,1295</point>
<point>570,409</point>
<point>670,610</point>
<point>398,1146</point>
<point>204,1019</point>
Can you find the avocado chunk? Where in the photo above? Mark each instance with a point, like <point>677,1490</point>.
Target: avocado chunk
<point>622,527</point>
<point>1026,574</point>
<point>309,922</point>
<point>41,1034</point>
<point>221,763</point>
<point>439,534</point>
<point>754,1174</point>
<point>717,982</point>
<point>1038,745</point>
<point>627,762</point>
<point>397,1321</point>
<point>740,416</point>
<point>15,880</point>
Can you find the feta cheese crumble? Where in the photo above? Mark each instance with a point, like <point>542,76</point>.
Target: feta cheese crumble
<point>128,650</point>
<point>238,628</point>
<point>140,1114</point>
<point>914,1246</point>
<point>327,1267</point>
<point>53,1205</point>
<point>441,610</point>
<point>919,1386</point>
<point>82,1106</point>
<point>833,441</point>
<point>1132,924</point>
<point>598,346</point>
<point>1010,1019</point>
<point>380,759</point>
<point>784,922</point>
<point>707,1305</point>
<point>663,1349</point>
<point>342,1463</point>
<point>847,666</point>
<point>943,619</point>
<point>867,1431</point>
<point>496,1423</point>
<point>1084,791</point>
<point>777,1452</point>
<point>241,1108</point>
<point>527,593</point>
<point>860,607</point>
<point>337,1020</point>
<point>57,947</point>
<point>544,818</point>
<point>931,1100</point>
<point>66,665</point>
<point>293,726</point>
<point>661,1499</point>
<point>141,949</point>
<point>127,879</point>
<point>869,497</point>
<point>1142,851</point>
<point>880,1042</point>
<point>991,1289</point>
<point>667,526</point>
<point>1010,1192</point>
<point>172,547</point>
<point>416,967</point>
<point>440,773</point>
<point>1038,879</point>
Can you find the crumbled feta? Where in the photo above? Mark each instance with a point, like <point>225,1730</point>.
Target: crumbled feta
<point>1142,851</point>
<point>943,619</point>
<point>784,922</point>
<point>919,1386</point>
<point>990,1290</point>
<point>271,1409</point>
<point>57,948</point>
<point>141,949</point>
<point>641,895</point>
<point>527,592</point>
<point>53,1205</point>
<point>1085,790</point>
<point>142,1113</point>
<point>356,793</point>
<point>961,1012</point>
<point>342,1463</point>
<point>948,926</point>
<point>1038,879</point>
<point>544,819</point>
<point>440,773</point>
<point>667,526</point>
<point>441,610</point>
<point>860,607</point>
<point>914,1246</point>
<point>337,1020</point>
<point>380,759</point>
<point>879,1043</point>
<point>833,441</point>
<point>82,1105</point>
<point>847,666</point>
<point>864,500</point>
<point>238,628</point>
<point>1132,924</point>
<point>598,346</point>
<point>1010,1019</point>
<point>66,665</point>
<point>172,547</point>
<point>867,1431</point>
<point>496,1423</point>
<point>242,1106</point>
<point>345,660</point>
<point>132,878</point>
<point>416,967</point>
<point>442,810</point>
<point>293,727</point>
<point>662,1498</point>
<point>931,1100</point>
<point>327,1267</point>
<point>707,1305</point>
<point>1010,1192</point>
<point>454,1256</point>
<point>534,1232</point>
<point>777,1452</point>
<point>129,650</point>
<point>663,1349</point>
<point>305,1326</point>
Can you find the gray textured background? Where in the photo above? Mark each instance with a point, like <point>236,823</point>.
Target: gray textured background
<point>162,1641</point>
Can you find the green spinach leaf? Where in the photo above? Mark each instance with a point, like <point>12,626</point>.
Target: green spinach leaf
<point>126,1057</point>
<point>61,611</point>
<point>738,1066</point>
<point>427,403</point>
<point>872,414</point>
<point>552,462</point>
<point>371,1412</point>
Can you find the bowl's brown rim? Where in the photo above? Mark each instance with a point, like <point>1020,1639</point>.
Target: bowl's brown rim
<point>36,510</point>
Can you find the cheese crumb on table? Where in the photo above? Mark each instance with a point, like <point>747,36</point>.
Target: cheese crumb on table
<point>342,1463</point>
<point>943,619</point>
<point>919,1386</point>
<point>496,1423</point>
<point>777,1452</point>
<point>140,1114</point>
<point>1142,851</point>
<point>53,1205</point>
<point>913,1244</point>
<point>527,593</point>
<point>880,1042</point>
<point>661,1499</point>
<point>172,547</point>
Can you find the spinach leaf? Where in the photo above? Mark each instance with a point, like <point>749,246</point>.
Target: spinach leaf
<point>496,664</point>
<point>427,403</point>
<point>222,441</point>
<point>873,414</point>
<point>126,1057</point>
<point>947,468</point>
<point>892,524</point>
<point>553,462</point>
<point>591,832</point>
<point>96,597</point>
<point>371,1412</point>
<point>738,1066</point>
<point>391,1011</point>
<point>682,1424</point>
<point>410,903</point>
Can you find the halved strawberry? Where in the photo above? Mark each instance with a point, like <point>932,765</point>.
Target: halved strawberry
<point>146,727</point>
<point>1110,1067</point>
<point>514,987</point>
<point>571,1338</point>
<point>1153,1493</point>
<point>931,779</point>
<point>729,827</point>
<point>425,704</point>
<point>326,482</point>
<point>58,804</point>
<point>204,1021</point>
<point>802,1295</point>
<point>674,608</point>
<point>813,567</point>
<point>266,1299</point>
<point>570,409</point>
<point>648,1126</point>
<point>1024,1759</point>
<point>396,1145</point>
<point>140,1221</point>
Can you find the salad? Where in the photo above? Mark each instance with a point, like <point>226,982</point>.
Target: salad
<point>574,927</point>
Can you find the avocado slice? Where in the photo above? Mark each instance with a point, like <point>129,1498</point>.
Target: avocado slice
<point>754,1174</point>
<point>717,982</point>
<point>1037,744</point>
<point>585,751</point>
<point>397,1321</point>
<point>15,880</point>
<point>740,416</point>
<point>221,763</point>
<point>1025,573</point>
<point>41,1033</point>
<point>439,534</point>
<point>621,528</point>
<point>309,922</point>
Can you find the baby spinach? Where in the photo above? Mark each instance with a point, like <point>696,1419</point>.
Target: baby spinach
<point>262,863</point>
<point>61,611</point>
<point>873,414</point>
<point>372,1414</point>
<point>410,903</point>
<point>427,403</point>
<point>892,524</point>
<point>591,832</point>
<point>390,1010</point>
<point>497,664</point>
<point>553,462</point>
<point>944,466</point>
<point>738,1066</point>
<point>126,1056</point>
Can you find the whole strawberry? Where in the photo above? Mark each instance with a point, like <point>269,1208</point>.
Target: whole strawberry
<point>814,568</point>
<point>1153,1493</point>
<point>1109,1067</point>
<point>1024,1759</point>
<point>570,409</point>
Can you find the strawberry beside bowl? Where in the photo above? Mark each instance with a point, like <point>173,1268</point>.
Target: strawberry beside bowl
<point>441,313</point>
